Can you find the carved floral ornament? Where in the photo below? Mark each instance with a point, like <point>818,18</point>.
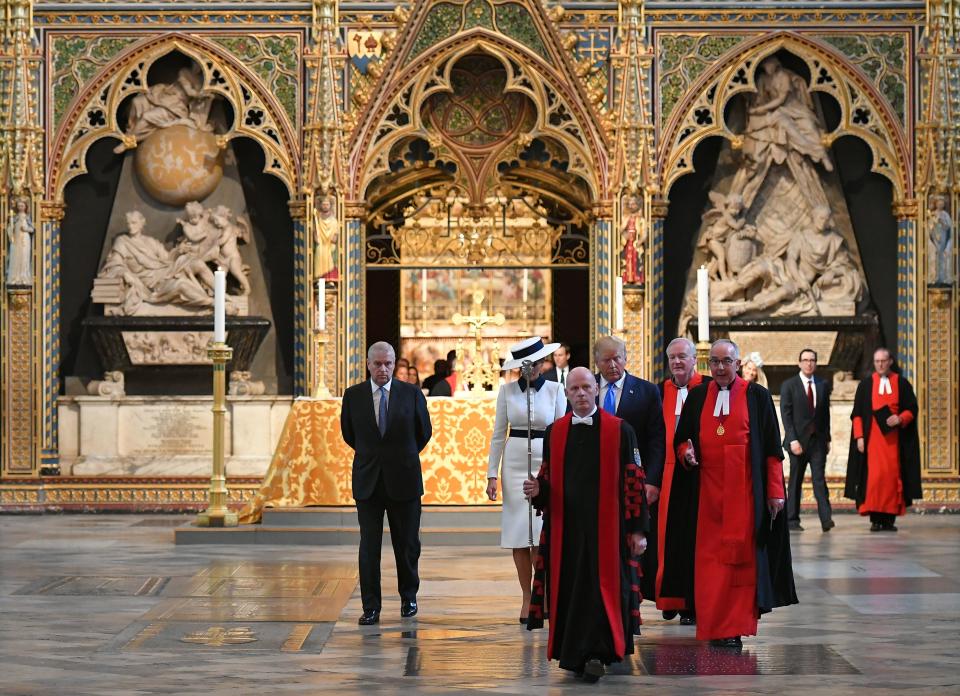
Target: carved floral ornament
<point>93,114</point>
<point>864,113</point>
<point>554,117</point>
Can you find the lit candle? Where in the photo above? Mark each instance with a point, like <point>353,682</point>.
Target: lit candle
<point>526,280</point>
<point>423,286</point>
<point>618,303</point>
<point>321,305</point>
<point>703,305</point>
<point>219,306</point>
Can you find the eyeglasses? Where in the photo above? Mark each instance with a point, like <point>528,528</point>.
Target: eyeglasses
<point>813,360</point>
<point>726,362</point>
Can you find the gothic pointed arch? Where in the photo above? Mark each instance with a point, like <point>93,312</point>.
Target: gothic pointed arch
<point>531,69</point>
<point>864,112</point>
<point>93,114</point>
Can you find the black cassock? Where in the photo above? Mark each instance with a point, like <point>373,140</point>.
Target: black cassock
<point>586,579</point>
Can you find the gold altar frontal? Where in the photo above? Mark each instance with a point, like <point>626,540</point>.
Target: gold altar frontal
<point>312,464</point>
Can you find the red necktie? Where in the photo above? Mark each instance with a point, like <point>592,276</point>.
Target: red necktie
<point>810,394</point>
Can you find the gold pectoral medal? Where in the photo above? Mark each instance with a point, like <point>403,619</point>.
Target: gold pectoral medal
<point>720,430</point>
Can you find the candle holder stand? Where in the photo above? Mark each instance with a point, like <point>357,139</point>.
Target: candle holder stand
<point>217,514</point>
<point>320,390</point>
<point>703,357</point>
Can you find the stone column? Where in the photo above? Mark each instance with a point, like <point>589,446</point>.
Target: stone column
<point>353,336</point>
<point>654,290</point>
<point>604,267</point>
<point>48,267</point>
<point>302,301</point>
<point>907,273</point>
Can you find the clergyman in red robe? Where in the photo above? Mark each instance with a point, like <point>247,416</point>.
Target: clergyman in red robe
<point>883,468</point>
<point>682,361</point>
<point>727,546</point>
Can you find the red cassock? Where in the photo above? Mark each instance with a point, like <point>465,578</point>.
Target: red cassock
<point>726,563</point>
<point>671,393</point>
<point>884,484</point>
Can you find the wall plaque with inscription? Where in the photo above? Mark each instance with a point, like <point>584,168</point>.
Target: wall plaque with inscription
<point>166,429</point>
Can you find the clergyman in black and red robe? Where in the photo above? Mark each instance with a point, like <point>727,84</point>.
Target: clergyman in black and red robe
<point>590,493</point>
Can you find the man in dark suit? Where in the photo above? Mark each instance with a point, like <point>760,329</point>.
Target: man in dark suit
<point>805,411</point>
<point>386,423</point>
<point>636,401</point>
<point>561,365</point>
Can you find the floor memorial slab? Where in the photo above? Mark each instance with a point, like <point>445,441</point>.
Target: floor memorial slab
<point>95,605</point>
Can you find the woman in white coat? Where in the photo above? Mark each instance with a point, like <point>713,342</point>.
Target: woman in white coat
<point>508,453</point>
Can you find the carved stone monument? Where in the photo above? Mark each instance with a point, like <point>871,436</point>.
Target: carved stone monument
<point>777,239</point>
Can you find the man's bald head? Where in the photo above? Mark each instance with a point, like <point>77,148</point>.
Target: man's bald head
<point>581,389</point>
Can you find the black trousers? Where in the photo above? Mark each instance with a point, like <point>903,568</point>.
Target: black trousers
<point>816,456</point>
<point>403,517</point>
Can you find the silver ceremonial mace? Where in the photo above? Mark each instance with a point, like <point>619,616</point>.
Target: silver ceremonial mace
<point>526,369</point>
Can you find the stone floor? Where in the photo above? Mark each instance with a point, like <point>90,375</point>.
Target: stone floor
<point>107,604</point>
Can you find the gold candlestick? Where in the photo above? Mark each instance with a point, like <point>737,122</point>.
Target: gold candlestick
<point>320,390</point>
<point>217,514</point>
<point>703,357</point>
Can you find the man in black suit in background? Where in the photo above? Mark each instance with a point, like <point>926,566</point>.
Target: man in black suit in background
<point>386,423</point>
<point>636,401</point>
<point>805,411</point>
<point>561,365</point>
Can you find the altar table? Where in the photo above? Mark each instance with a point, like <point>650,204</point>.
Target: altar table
<point>312,463</point>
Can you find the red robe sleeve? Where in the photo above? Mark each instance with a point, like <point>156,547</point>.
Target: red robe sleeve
<point>857,427</point>
<point>775,488</point>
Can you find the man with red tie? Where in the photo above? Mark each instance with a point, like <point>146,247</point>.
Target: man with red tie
<point>805,411</point>
<point>883,468</point>
<point>727,547</point>
<point>682,361</point>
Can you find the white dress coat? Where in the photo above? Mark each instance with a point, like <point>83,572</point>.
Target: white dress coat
<point>508,455</point>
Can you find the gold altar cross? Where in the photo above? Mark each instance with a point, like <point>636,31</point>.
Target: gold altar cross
<point>479,373</point>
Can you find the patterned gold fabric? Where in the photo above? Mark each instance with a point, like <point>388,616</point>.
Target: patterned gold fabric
<point>311,465</point>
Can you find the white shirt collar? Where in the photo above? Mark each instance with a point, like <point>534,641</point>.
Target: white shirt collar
<point>807,379</point>
<point>885,387</point>
<point>376,386</point>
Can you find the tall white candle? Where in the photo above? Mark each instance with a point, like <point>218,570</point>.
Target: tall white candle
<point>526,281</point>
<point>618,303</point>
<point>321,305</point>
<point>703,305</point>
<point>219,306</point>
<point>423,286</point>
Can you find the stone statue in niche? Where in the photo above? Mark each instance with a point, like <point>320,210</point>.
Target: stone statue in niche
<point>20,233</point>
<point>231,231</point>
<point>769,238</point>
<point>940,233</point>
<point>182,102</point>
<point>725,227</point>
<point>326,231</point>
<point>633,237</point>
<point>141,277</point>
<point>782,129</point>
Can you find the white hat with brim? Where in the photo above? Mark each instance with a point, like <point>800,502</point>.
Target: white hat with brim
<point>531,349</point>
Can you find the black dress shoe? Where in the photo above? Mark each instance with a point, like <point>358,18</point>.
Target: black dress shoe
<point>876,527</point>
<point>794,527</point>
<point>889,527</point>
<point>408,609</point>
<point>593,670</point>
<point>369,618</point>
<point>829,525</point>
<point>688,620</point>
<point>733,642</point>
<point>523,620</point>
<point>670,614</point>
